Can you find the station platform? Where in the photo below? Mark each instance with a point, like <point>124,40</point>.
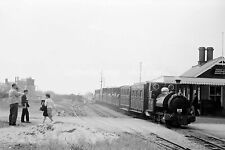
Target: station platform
<point>211,125</point>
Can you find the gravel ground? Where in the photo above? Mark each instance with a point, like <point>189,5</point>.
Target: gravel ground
<point>89,126</point>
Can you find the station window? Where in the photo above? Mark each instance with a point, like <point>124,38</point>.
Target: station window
<point>215,95</point>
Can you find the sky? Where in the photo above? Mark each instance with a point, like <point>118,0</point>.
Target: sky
<point>64,44</point>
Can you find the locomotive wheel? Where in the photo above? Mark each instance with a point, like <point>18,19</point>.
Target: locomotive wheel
<point>168,123</point>
<point>155,118</point>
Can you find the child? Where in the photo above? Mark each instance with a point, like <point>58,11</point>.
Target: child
<point>44,108</point>
<point>49,105</point>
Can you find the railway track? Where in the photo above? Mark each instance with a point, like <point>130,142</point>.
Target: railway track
<point>207,141</point>
<point>100,111</point>
<point>168,144</point>
<point>212,143</point>
<point>162,142</point>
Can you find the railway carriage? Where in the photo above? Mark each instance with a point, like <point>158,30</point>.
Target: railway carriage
<point>115,98</point>
<point>105,97</point>
<point>108,96</point>
<point>125,97</point>
<point>111,95</point>
<point>139,97</point>
<point>97,95</point>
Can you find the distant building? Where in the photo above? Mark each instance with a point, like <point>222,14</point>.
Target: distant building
<point>27,83</point>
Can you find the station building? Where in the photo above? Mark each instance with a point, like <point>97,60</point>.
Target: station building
<point>206,80</point>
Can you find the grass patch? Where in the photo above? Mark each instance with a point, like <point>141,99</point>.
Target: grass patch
<point>124,142</point>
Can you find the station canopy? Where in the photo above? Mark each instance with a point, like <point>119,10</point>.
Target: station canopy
<point>190,80</point>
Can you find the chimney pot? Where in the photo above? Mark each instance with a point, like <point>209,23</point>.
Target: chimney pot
<point>209,53</point>
<point>201,60</point>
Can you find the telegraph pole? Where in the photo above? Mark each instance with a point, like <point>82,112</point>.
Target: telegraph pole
<point>140,69</point>
<point>222,46</point>
<point>101,92</point>
<point>103,81</point>
<point>222,43</point>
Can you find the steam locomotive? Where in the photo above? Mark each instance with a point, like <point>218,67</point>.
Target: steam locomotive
<point>157,101</point>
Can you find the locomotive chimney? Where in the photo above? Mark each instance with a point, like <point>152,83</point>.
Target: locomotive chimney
<point>209,53</point>
<point>201,60</point>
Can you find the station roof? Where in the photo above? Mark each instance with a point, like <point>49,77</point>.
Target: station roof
<point>197,70</point>
<point>190,80</point>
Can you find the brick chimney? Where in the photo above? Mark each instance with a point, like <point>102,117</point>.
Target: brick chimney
<point>6,81</point>
<point>209,53</point>
<point>201,60</point>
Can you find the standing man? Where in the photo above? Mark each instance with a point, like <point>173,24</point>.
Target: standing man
<point>195,104</point>
<point>14,98</point>
<point>25,105</point>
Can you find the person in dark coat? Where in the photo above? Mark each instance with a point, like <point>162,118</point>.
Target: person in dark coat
<point>44,108</point>
<point>195,104</point>
<point>25,105</point>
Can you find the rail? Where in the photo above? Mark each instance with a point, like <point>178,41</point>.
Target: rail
<point>212,143</point>
<point>170,144</point>
<point>156,139</point>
